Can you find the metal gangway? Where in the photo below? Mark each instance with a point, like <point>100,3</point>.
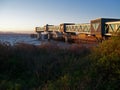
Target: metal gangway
<point>78,28</point>
<point>112,28</point>
<point>39,29</point>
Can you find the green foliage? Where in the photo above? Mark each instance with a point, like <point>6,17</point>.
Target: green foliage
<point>106,65</point>
<point>50,67</point>
<point>25,66</point>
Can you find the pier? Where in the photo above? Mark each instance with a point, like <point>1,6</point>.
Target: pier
<point>98,29</point>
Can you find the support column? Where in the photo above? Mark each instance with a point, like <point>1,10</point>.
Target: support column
<point>66,37</point>
<point>49,36</point>
<point>38,35</point>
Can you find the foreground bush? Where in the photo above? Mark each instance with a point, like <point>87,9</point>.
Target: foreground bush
<point>50,67</point>
<point>105,73</point>
<point>29,67</point>
<point>99,71</point>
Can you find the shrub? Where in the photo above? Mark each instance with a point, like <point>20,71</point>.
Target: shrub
<point>26,67</point>
<point>106,65</point>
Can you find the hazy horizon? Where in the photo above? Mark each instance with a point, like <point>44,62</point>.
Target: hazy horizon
<point>25,15</point>
<point>19,32</point>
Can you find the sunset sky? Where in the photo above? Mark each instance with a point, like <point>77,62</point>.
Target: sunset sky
<point>25,15</point>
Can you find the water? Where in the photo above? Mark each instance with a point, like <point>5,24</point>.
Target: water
<point>18,38</point>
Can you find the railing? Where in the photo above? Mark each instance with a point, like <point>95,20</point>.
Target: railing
<point>39,29</point>
<point>112,28</point>
<point>53,28</point>
<point>80,28</point>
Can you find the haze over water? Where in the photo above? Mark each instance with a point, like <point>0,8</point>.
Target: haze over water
<point>18,38</point>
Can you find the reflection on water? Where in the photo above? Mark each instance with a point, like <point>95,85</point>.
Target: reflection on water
<point>18,38</point>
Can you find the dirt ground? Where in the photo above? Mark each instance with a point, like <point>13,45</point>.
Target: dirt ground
<point>66,45</point>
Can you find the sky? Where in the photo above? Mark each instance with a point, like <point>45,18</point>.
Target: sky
<point>25,15</point>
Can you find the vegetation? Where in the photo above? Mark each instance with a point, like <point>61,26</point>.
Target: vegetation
<point>106,65</point>
<point>49,67</point>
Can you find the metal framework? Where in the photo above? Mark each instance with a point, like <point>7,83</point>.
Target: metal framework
<point>39,29</point>
<point>99,27</point>
<point>95,26</point>
<point>80,28</point>
<point>50,28</point>
<point>112,28</point>
<point>53,28</point>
